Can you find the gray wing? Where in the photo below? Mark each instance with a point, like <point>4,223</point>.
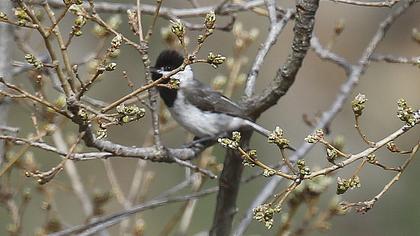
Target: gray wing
<point>207,99</point>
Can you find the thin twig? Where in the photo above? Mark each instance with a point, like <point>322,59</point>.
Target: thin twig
<point>107,221</point>
<point>386,3</point>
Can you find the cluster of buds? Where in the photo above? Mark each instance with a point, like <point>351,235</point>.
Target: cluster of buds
<point>210,20</point>
<point>343,184</point>
<point>338,146</point>
<point>277,138</point>
<point>31,59</point>
<point>44,177</point>
<point>83,114</point>
<point>371,158</point>
<point>215,59</point>
<point>303,168</point>
<point>21,16</point>
<point>100,69</point>
<point>209,23</point>
<point>80,19</point>
<point>133,21</point>
<point>178,28</point>
<point>129,113</point>
<point>77,10</point>
<point>3,16</point>
<point>406,113</point>
<point>231,143</point>
<point>332,154</point>
<point>265,213</point>
<point>269,172</point>
<point>174,83</point>
<point>79,22</point>
<point>314,138</point>
<point>101,133</point>
<point>358,104</point>
<point>70,2</point>
<point>111,66</point>
<point>116,43</point>
<point>249,158</point>
<point>392,147</point>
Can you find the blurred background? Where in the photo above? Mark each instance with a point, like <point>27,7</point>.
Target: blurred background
<point>315,88</point>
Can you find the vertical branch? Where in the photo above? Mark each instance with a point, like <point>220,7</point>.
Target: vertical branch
<point>286,74</point>
<point>229,183</point>
<point>5,68</point>
<point>152,93</point>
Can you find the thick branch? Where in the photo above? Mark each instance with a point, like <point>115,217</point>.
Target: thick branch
<point>305,20</point>
<point>229,183</point>
<point>167,12</point>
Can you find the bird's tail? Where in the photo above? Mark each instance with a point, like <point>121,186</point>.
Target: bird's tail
<point>261,130</point>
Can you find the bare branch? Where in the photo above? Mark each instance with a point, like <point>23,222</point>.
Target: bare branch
<point>275,30</point>
<point>386,3</point>
<point>286,74</point>
<point>105,222</point>
<point>165,11</point>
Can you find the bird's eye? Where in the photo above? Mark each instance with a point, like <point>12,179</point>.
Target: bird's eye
<point>167,68</point>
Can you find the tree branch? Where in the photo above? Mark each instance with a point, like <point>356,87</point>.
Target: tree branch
<point>286,74</point>
<point>107,221</point>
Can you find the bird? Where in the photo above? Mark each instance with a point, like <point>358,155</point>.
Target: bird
<point>197,107</point>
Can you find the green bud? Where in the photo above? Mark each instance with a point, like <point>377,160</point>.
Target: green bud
<point>178,28</point>
<point>117,41</point>
<point>80,21</point>
<point>215,60</point>
<point>210,20</point>
<point>358,104</point>
<point>371,158</point>
<point>3,16</point>
<point>31,59</point>
<point>277,137</point>
<point>76,9</point>
<point>101,133</point>
<point>265,214</point>
<point>406,113</point>
<point>111,66</point>
<point>268,172</point>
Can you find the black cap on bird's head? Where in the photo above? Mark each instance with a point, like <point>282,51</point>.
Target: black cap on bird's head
<point>167,60</point>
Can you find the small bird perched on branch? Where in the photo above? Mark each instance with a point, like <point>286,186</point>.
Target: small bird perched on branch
<point>195,106</point>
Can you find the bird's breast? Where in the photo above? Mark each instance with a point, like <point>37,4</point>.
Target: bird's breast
<point>202,123</point>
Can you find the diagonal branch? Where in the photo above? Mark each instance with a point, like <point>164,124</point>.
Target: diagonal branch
<point>107,221</point>
<point>275,30</point>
